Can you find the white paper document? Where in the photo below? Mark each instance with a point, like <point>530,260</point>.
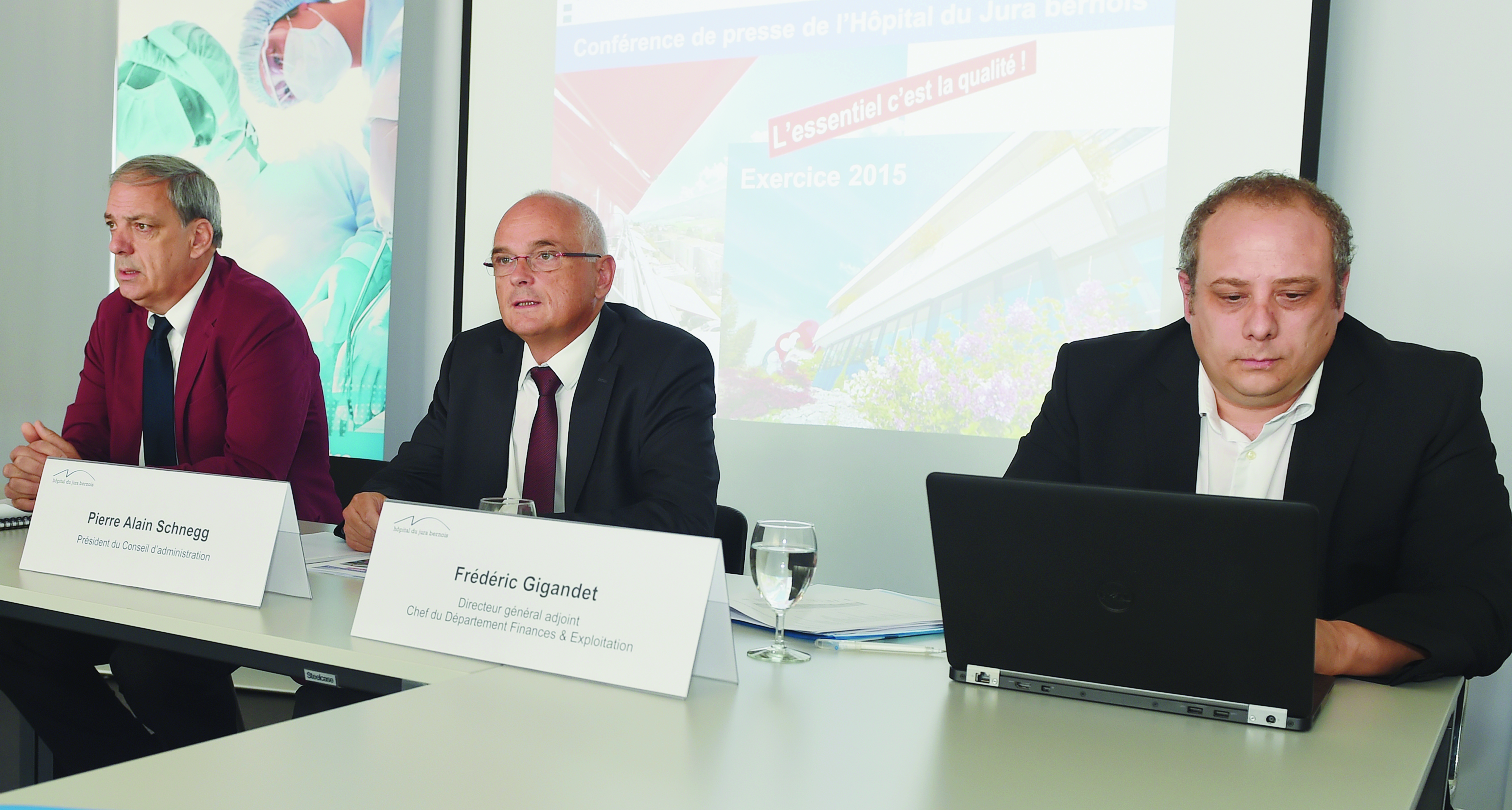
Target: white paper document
<point>325,553</point>
<point>322,546</point>
<point>353,567</point>
<point>836,612</point>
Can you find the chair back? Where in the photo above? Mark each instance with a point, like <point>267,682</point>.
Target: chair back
<point>730,528</point>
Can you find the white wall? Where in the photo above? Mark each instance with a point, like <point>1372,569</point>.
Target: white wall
<point>51,235</point>
<point>862,489</point>
<point>1415,112</point>
<point>425,212</point>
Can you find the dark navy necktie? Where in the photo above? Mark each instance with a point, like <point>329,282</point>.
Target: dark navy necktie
<point>158,448</point>
<point>539,483</point>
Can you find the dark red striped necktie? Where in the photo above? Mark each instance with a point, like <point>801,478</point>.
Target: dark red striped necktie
<point>539,483</point>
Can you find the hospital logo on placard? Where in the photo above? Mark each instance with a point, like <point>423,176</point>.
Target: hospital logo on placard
<point>423,526</point>
<point>73,478</point>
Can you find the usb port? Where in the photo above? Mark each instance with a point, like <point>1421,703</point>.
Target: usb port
<point>1044,688</point>
<point>1194,710</point>
<point>1221,714</point>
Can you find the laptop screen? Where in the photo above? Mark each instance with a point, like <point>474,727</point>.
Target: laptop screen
<point>1207,596</point>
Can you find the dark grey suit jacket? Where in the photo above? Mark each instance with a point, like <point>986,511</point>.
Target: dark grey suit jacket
<point>1396,457</point>
<point>640,446</point>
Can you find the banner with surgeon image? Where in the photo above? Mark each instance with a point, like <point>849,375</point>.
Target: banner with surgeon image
<point>293,110</point>
<point>877,215</point>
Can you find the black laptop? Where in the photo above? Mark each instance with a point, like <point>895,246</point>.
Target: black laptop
<point>1190,604</point>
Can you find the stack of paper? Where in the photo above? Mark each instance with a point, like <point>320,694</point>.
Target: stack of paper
<point>830,611</point>
<point>325,553</point>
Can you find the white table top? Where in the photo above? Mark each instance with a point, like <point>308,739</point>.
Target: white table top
<point>848,729</point>
<point>317,630</point>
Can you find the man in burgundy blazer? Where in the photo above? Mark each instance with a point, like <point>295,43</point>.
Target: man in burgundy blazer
<point>247,401</point>
<point>191,364</point>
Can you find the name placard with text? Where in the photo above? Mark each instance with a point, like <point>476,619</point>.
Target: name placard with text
<point>211,536</point>
<point>634,608</point>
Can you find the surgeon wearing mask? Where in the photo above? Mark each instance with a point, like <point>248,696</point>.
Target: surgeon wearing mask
<point>294,52</point>
<point>169,104</point>
<point>308,222</point>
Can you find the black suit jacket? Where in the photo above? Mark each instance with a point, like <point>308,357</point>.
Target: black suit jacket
<point>640,443</point>
<point>1396,457</point>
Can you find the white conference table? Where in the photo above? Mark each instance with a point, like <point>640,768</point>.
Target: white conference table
<point>847,729</point>
<point>285,635</point>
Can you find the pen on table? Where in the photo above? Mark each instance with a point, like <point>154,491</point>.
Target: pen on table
<point>876,646</point>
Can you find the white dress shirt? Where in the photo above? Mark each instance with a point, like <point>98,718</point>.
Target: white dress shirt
<point>568,365</point>
<point>1230,463</point>
<point>178,316</point>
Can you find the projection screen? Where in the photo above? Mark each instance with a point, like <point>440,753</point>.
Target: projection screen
<point>883,219</point>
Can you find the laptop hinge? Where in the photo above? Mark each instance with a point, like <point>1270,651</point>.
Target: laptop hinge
<point>1267,716</point>
<point>987,676</point>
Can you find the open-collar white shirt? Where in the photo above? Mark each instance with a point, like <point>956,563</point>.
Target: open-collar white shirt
<point>568,365</point>
<point>178,315</point>
<point>1230,463</point>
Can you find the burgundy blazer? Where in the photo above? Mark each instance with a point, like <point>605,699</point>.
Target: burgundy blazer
<point>247,400</point>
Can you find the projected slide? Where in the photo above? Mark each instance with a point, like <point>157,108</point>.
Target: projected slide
<point>301,146</point>
<point>877,216</point>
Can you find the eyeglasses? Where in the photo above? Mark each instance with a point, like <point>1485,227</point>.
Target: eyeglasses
<point>543,261</point>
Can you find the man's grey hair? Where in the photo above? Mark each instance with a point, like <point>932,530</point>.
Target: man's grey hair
<point>192,194</point>
<point>591,227</point>
<point>1271,190</point>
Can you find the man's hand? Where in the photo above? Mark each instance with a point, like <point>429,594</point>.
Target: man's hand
<point>361,516</point>
<point>1344,648</point>
<point>24,473</point>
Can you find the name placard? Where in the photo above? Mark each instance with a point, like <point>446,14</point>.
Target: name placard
<point>633,608</point>
<point>211,536</point>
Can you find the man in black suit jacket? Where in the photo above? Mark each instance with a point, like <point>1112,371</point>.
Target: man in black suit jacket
<point>639,422</point>
<point>1391,445</point>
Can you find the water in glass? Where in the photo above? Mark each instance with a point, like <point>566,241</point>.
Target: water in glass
<point>782,573</point>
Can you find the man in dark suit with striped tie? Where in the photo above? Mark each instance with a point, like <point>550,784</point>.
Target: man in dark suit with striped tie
<point>592,410</point>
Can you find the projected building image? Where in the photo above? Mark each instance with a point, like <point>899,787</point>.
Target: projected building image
<point>888,230</point>
<point>1056,236</point>
<point>670,261</point>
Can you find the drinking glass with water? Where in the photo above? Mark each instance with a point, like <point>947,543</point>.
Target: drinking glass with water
<point>783,556</point>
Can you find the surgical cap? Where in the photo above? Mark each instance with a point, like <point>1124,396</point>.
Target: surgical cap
<point>259,21</point>
<point>188,54</point>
